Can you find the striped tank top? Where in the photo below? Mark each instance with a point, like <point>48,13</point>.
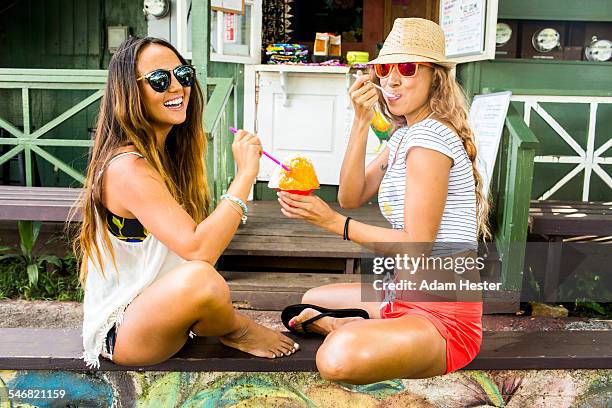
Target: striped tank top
<point>458,222</point>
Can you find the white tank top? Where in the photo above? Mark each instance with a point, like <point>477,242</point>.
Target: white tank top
<point>106,297</point>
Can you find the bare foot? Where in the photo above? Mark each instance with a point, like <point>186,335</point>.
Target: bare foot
<point>322,326</point>
<point>258,340</point>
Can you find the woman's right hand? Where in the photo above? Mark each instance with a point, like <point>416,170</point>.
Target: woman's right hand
<point>363,96</point>
<point>247,151</point>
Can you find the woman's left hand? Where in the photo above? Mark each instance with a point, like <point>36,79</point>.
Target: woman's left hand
<point>310,208</point>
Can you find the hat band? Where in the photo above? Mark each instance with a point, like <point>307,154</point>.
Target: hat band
<point>390,54</point>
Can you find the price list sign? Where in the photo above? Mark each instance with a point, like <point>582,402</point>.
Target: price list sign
<point>463,23</point>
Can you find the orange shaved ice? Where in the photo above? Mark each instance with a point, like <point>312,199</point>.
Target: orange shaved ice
<point>302,176</point>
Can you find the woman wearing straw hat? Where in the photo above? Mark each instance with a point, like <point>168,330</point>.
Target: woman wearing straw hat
<point>428,189</point>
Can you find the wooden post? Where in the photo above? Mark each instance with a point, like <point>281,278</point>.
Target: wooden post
<point>200,56</point>
<point>511,234</point>
<point>200,40</point>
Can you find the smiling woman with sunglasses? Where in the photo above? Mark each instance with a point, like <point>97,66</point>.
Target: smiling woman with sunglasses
<point>429,190</point>
<point>148,242</point>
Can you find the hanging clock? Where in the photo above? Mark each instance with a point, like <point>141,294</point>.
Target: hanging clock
<point>546,40</point>
<point>503,34</point>
<point>598,50</point>
<point>156,8</point>
<point>506,39</point>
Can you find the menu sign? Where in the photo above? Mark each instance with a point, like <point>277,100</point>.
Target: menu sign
<point>487,117</point>
<point>463,23</point>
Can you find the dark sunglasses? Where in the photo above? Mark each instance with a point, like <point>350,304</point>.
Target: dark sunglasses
<point>160,78</point>
<point>406,69</point>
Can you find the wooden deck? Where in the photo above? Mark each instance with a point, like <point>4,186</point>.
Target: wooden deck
<point>269,234</point>
<point>272,259</point>
<point>570,218</point>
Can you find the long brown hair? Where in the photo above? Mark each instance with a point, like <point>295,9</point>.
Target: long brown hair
<point>123,121</point>
<point>448,102</point>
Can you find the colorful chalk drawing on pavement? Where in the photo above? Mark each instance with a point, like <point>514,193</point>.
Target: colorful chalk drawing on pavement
<point>507,388</point>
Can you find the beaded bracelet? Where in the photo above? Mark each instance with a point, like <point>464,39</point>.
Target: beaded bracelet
<point>238,210</point>
<point>245,209</point>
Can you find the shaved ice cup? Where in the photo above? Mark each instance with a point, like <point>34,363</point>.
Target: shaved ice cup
<point>276,175</point>
<point>300,192</point>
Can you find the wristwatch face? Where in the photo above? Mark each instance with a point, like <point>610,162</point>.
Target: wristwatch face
<point>546,40</point>
<point>599,50</point>
<point>503,34</point>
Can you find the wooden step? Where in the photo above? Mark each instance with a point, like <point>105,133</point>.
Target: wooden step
<point>276,290</point>
<point>61,349</point>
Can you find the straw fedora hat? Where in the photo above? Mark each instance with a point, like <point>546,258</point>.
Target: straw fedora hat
<point>414,40</point>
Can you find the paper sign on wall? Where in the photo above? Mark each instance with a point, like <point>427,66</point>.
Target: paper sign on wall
<point>463,23</point>
<point>487,117</point>
<point>229,21</point>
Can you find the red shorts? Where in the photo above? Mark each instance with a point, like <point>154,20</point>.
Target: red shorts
<point>460,323</point>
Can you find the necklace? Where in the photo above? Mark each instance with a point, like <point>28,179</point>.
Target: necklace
<point>404,135</point>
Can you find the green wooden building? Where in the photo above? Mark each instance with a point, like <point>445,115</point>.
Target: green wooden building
<point>53,54</point>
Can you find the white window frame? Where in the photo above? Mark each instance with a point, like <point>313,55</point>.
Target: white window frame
<point>183,46</point>
<point>182,43</point>
<point>255,40</point>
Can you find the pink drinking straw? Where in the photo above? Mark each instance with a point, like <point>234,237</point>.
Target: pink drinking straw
<point>274,159</point>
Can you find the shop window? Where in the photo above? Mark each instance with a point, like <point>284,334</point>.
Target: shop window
<point>237,37</point>
<point>233,37</point>
<point>344,17</point>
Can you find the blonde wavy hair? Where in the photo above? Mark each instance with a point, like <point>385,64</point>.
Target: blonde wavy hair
<point>123,120</point>
<point>448,102</point>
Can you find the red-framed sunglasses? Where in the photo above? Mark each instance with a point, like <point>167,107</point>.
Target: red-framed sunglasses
<point>406,69</point>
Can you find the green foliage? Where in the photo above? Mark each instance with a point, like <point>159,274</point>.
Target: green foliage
<point>28,276</point>
<point>28,235</point>
<point>586,286</point>
<point>57,281</point>
<point>590,308</point>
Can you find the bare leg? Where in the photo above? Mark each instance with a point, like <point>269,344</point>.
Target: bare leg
<point>334,296</point>
<point>362,351</point>
<point>368,351</point>
<point>191,297</point>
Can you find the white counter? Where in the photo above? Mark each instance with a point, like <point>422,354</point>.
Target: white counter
<point>312,69</point>
<point>302,109</point>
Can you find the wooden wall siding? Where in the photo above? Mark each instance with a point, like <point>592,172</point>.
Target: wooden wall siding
<point>127,13</point>
<point>427,9</point>
<point>571,10</point>
<point>533,76</point>
<point>60,34</point>
<point>52,34</point>
<point>64,33</point>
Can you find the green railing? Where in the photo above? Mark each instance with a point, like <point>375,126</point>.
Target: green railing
<point>219,116</point>
<point>33,142</point>
<point>512,183</point>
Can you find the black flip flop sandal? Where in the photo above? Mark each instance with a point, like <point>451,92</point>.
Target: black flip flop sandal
<point>294,310</point>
